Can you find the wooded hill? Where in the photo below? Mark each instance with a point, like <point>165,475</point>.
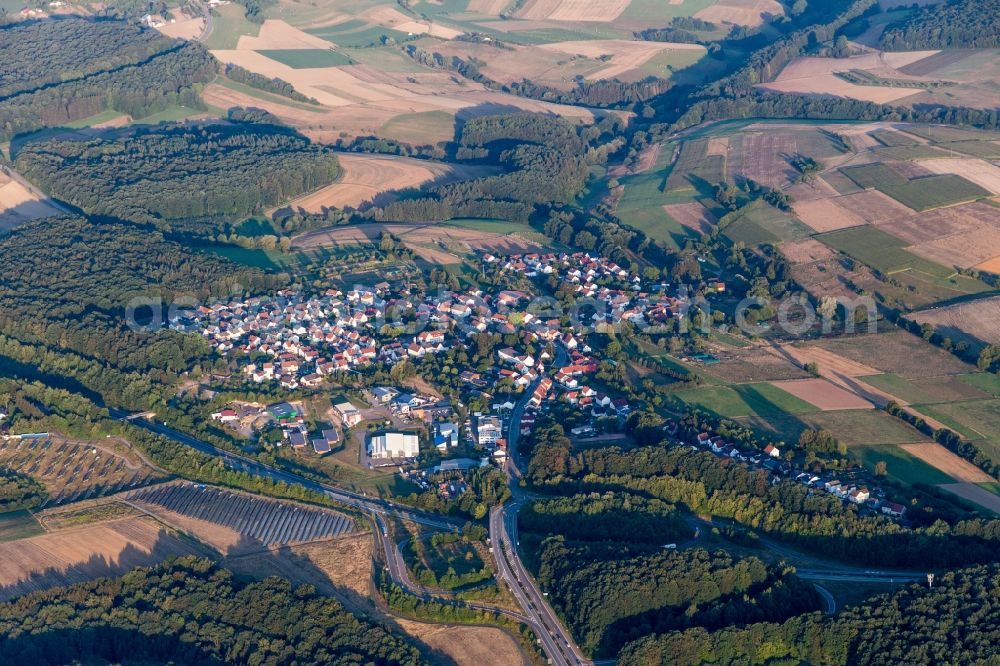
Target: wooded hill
<point>67,282</point>
<point>959,24</point>
<point>184,178</point>
<point>37,53</point>
<point>191,612</point>
<point>957,622</point>
<point>99,65</point>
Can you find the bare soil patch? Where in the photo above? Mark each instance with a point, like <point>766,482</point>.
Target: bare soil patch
<point>825,215</point>
<point>823,394</point>
<point>873,207</point>
<point>185,28</point>
<point>975,322</point>
<point>974,494</point>
<point>742,12</point>
<point>488,7</point>
<point>941,458</point>
<point>990,265</point>
<point>19,205</point>
<point>693,216</point>
<point>342,568</point>
<point>599,11</point>
<point>765,157</point>
<point>816,189</point>
<point>806,251</point>
<point>76,555</point>
<point>366,177</point>
<point>276,35</point>
<point>895,351</point>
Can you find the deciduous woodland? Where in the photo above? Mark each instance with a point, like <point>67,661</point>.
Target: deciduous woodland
<point>191,612</point>
<point>215,173</point>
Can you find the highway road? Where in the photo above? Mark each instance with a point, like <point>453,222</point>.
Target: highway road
<point>556,639</point>
<point>538,616</point>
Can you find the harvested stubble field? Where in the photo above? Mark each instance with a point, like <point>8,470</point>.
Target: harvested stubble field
<point>432,241</point>
<point>941,458</point>
<point>342,568</point>
<point>810,75</point>
<point>963,236</point>
<point>365,178</point>
<point>754,365</point>
<point>977,322</point>
<point>622,57</point>
<point>598,11</point>
<point>19,205</point>
<point>75,555</point>
<point>823,394</point>
<point>72,470</point>
<point>692,216</point>
<point>895,351</point>
<point>750,13</point>
<point>824,215</point>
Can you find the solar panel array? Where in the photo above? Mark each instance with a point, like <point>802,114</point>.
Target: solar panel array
<point>267,521</point>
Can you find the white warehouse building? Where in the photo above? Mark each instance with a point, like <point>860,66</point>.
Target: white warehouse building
<point>394,445</point>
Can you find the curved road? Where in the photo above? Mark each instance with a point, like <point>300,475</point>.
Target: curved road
<point>539,617</point>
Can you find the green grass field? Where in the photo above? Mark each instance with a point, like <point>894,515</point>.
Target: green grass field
<point>984,381</point>
<point>853,427</point>
<point>102,117</point>
<point>900,465</point>
<point>358,34</point>
<point>761,400</point>
<point>977,420</point>
<point>921,194</point>
<point>229,24</point>
<point>172,114</point>
<point>641,206</point>
<point>880,250</point>
<point>889,137</point>
<point>929,390</point>
<point>18,525</point>
<point>766,224</point>
<point>420,127</point>
<point>307,58</point>
<point>694,169</point>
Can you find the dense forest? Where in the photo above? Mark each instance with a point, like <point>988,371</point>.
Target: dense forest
<point>605,517</point>
<point>165,79</point>
<point>203,174</point>
<point>613,592</point>
<point>28,60</point>
<point>956,622</point>
<point>545,160</point>
<point>958,24</point>
<point>191,612</point>
<point>18,491</point>
<point>67,282</point>
<point>704,483</point>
